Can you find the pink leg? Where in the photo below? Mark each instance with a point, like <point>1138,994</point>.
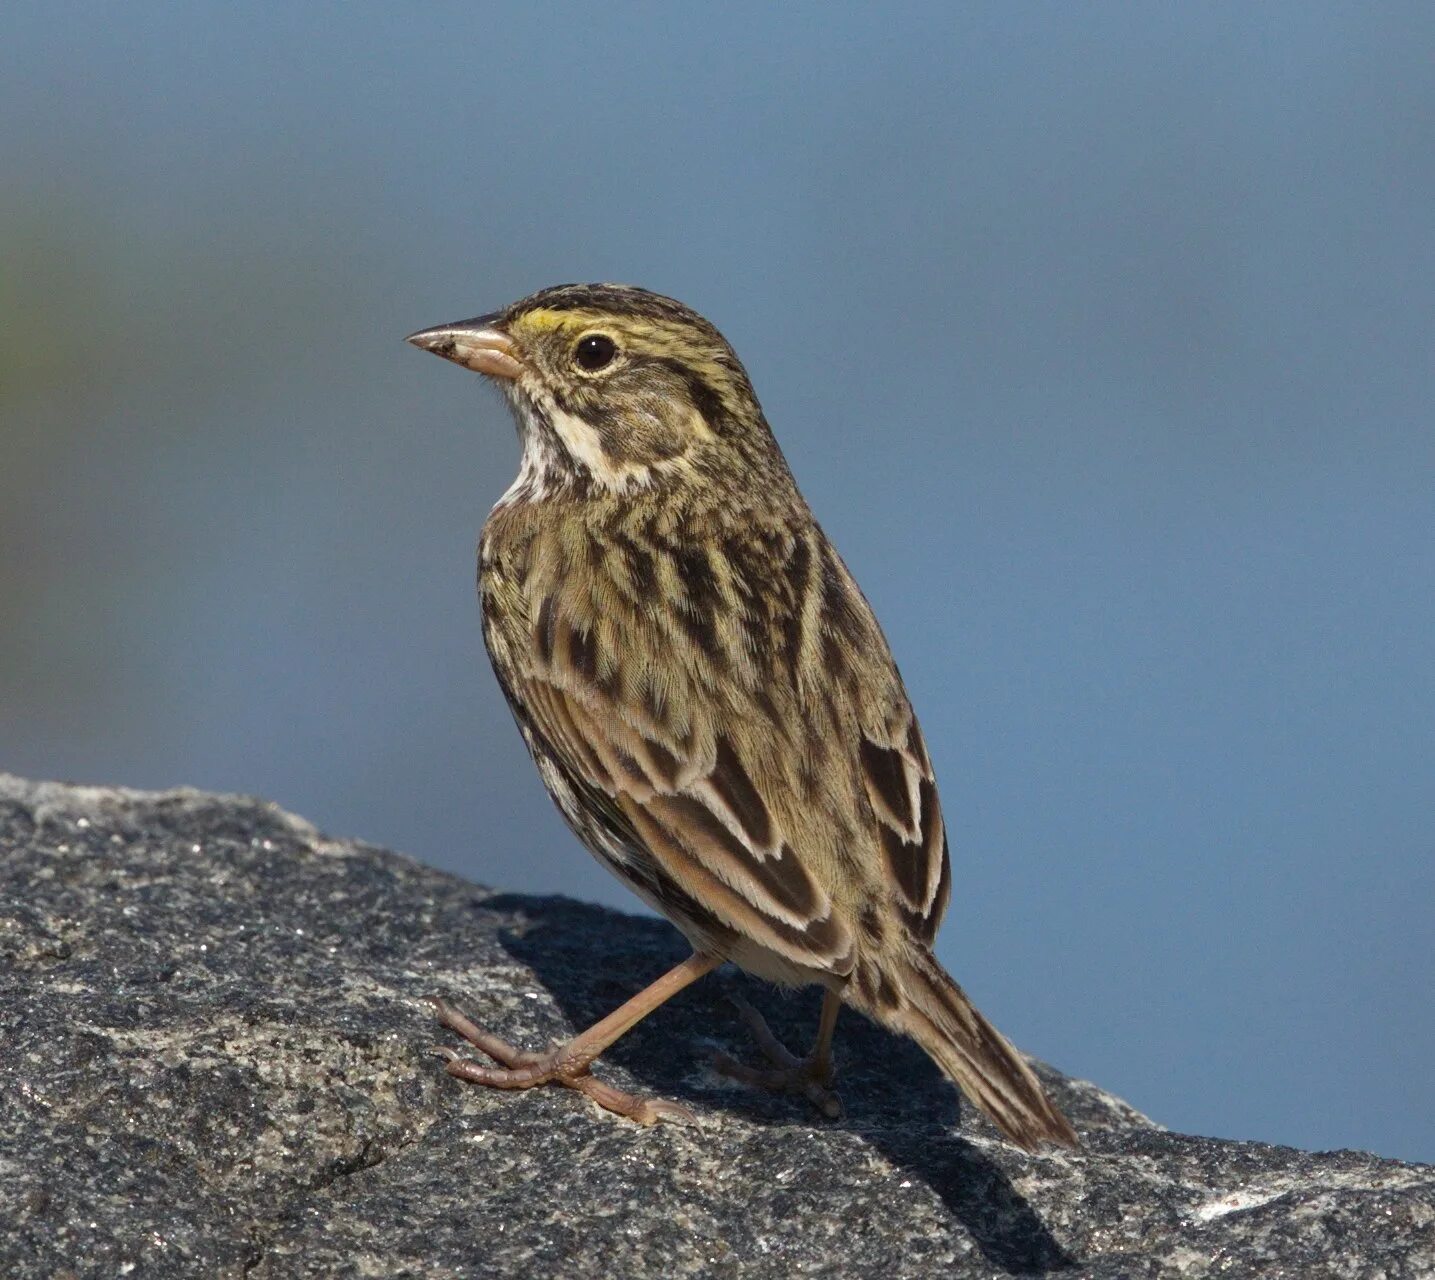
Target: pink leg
<point>569,1064</point>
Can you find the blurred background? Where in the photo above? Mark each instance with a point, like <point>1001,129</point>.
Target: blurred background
<point>1100,338</point>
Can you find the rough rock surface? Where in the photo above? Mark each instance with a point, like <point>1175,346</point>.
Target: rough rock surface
<point>212,1063</point>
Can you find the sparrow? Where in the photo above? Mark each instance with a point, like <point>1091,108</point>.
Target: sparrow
<point>710,701</point>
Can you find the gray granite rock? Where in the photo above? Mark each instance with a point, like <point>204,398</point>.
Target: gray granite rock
<point>212,1063</point>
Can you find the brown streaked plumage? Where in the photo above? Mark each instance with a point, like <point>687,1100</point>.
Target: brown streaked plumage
<point>708,697</point>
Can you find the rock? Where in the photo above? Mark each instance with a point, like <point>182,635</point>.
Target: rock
<point>214,1064</point>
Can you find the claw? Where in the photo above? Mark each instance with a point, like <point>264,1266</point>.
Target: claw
<point>521,1069</point>
<point>809,1077</point>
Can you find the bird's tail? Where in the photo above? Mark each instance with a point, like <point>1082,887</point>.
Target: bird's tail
<point>936,1013</point>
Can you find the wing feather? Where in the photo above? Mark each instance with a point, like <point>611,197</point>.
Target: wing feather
<point>903,795</point>
<point>702,820</point>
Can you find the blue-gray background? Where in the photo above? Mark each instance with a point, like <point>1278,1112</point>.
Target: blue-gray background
<point>1099,337</point>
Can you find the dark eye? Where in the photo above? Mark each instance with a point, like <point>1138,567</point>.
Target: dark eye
<point>595,351</point>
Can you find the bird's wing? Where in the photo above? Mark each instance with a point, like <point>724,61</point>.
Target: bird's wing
<point>695,813</point>
<point>897,813</point>
<point>902,792</point>
<point>750,735</point>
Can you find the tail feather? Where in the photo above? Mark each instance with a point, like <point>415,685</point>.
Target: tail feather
<point>974,1054</point>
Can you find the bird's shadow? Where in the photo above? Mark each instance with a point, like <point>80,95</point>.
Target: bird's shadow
<point>591,959</point>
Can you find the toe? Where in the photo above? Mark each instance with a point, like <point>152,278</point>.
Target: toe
<point>646,1111</point>
<point>656,1109</point>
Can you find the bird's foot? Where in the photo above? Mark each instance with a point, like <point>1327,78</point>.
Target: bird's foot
<point>811,1076</point>
<point>520,1069</point>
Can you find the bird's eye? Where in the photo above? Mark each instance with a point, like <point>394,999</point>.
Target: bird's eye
<point>594,352</point>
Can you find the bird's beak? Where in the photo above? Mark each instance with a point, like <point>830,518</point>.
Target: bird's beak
<point>477,344</point>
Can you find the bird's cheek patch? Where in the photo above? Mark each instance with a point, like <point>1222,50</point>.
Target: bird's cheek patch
<point>621,455</point>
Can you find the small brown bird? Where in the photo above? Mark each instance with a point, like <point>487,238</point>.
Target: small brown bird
<point>709,698</point>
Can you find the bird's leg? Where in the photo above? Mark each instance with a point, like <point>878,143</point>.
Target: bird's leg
<point>811,1076</point>
<point>569,1064</point>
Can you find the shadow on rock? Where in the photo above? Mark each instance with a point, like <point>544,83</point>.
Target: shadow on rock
<point>591,959</point>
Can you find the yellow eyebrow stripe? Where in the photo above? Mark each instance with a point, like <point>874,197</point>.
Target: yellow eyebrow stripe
<point>546,320</point>
<point>549,320</point>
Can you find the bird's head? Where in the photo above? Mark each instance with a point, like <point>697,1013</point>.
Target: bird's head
<point>617,390</point>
